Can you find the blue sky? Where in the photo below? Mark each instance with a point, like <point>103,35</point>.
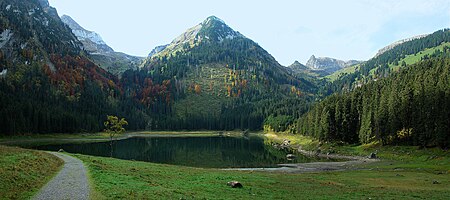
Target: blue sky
<point>290,30</point>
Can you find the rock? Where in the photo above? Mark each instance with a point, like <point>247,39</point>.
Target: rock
<point>373,156</point>
<point>61,150</point>
<point>234,184</point>
<point>318,151</point>
<point>436,182</point>
<point>290,156</point>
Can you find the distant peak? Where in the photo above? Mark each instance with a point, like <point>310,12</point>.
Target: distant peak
<point>213,19</point>
<point>71,23</point>
<point>67,18</point>
<point>44,3</point>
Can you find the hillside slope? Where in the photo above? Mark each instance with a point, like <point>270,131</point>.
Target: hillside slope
<point>409,107</point>
<point>409,52</point>
<point>47,83</point>
<point>219,79</point>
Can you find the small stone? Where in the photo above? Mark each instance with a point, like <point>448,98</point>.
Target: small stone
<point>436,182</point>
<point>318,151</point>
<point>290,156</point>
<point>373,156</point>
<point>61,150</point>
<point>234,184</point>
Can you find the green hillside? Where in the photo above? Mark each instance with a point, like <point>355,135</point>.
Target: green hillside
<point>219,79</point>
<point>348,70</point>
<point>409,107</point>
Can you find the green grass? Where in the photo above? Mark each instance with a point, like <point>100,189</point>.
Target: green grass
<point>348,70</point>
<point>413,157</point>
<point>114,178</point>
<point>24,172</point>
<point>210,77</point>
<point>415,58</point>
<point>404,173</point>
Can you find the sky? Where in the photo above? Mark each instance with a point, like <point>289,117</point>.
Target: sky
<point>288,29</point>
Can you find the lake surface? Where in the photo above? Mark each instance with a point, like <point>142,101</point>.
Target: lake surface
<point>208,152</point>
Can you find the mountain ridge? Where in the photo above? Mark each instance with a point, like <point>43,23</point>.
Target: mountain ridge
<point>92,41</point>
<point>102,54</point>
<point>328,64</point>
<point>196,34</point>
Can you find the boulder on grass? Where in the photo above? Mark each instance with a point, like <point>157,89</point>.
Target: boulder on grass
<point>234,184</point>
<point>290,156</point>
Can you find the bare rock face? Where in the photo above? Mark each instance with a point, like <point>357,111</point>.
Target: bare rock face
<point>102,54</point>
<point>44,3</point>
<point>92,41</point>
<point>48,9</point>
<point>157,50</point>
<point>393,45</point>
<point>329,65</point>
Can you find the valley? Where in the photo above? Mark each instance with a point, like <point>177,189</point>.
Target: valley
<point>213,106</point>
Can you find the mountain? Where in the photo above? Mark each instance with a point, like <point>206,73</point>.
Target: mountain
<point>215,74</point>
<point>391,46</point>
<point>407,52</point>
<point>414,100</point>
<point>157,50</point>
<point>47,83</point>
<point>212,29</point>
<point>102,54</point>
<point>92,41</point>
<point>297,66</point>
<point>329,65</point>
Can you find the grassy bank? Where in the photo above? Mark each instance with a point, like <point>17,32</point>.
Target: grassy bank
<point>412,157</point>
<point>403,173</point>
<point>24,172</point>
<point>44,139</point>
<point>114,178</point>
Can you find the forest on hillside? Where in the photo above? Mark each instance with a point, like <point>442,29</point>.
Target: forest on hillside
<point>410,107</point>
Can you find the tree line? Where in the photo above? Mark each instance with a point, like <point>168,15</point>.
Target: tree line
<point>410,107</point>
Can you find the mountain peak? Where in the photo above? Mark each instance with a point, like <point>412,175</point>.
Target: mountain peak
<point>212,29</point>
<point>70,22</point>
<point>92,41</point>
<point>298,66</point>
<point>212,19</point>
<point>329,64</point>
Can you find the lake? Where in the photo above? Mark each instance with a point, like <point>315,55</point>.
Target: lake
<point>207,152</point>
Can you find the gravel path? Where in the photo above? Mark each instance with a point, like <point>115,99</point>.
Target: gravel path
<point>70,183</point>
